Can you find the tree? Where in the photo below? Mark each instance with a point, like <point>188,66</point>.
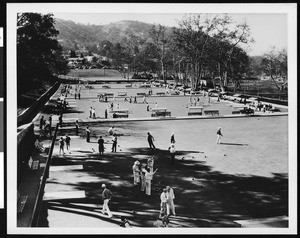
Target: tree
<point>205,39</point>
<point>159,35</point>
<point>39,55</point>
<point>274,64</point>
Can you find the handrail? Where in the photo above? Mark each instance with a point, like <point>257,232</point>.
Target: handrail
<point>37,205</point>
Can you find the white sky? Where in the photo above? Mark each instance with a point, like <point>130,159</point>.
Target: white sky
<point>267,29</point>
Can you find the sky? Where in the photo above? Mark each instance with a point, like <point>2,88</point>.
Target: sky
<point>267,30</point>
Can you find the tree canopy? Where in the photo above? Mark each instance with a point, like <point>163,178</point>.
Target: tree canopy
<point>38,51</point>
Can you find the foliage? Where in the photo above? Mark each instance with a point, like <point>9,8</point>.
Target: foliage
<point>274,64</point>
<point>39,53</point>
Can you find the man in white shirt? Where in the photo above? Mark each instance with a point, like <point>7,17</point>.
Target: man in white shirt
<point>163,202</point>
<point>170,200</point>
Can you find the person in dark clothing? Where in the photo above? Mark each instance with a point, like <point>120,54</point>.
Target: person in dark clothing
<point>150,139</point>
<point>76,128</point>
<point>101,145</point>
<point>114,145</point>
<point>173,138</point>
<point>79,95</point>
<point>88,132</point>
<point>68,140</point>
<point>105,113</point>
<point>42,122</point>
<point>60,119</point>
<point>50,120</point>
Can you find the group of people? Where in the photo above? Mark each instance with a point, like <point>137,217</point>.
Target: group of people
<point>62,142</point>
<point>92,112</point>
<point>143,175</point>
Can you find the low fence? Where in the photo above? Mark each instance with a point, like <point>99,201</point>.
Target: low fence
<point>30,112</point>
<point>45,175</point>
<point>25,146</point>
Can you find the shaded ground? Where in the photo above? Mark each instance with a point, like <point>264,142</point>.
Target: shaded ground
<point>214,184</point>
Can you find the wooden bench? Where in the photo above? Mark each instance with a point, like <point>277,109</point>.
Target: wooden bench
<point>160,112</point>
<point>122,93</point>
<point>109,94</point>
<point>121,113</point>
<point>211,112</point>
<point>195,111</point>
<point>141,94</point>
<point>174,93</point>
<point>237,109</point>
<point>145,85</point>
<point>21,203</point>
<point>160,93</point>
<point>106,86</point>
<point>128,86</point>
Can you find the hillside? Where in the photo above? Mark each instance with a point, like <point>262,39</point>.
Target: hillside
<point>83,35</point>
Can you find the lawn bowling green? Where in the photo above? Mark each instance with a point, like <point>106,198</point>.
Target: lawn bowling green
<point>245,177</point>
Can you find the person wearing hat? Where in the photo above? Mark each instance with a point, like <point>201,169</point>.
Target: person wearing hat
<point>106,197</point>
<point>219,134</point>
<point>172,152</point>
<point>136,173</point>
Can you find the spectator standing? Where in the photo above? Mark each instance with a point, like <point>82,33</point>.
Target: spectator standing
<point>219,134</point>
<point>68,140</point>
<point>61,145</point>
<point>136,173</point>
<point>88,132</point>
<point>79,95</point>
<point>101,145</point>
<point>150,139</point>
<point>170,201</point>
<point>114,144</point>
<point>105,113</point>
<point>172,152</point>
<point>106,197</point>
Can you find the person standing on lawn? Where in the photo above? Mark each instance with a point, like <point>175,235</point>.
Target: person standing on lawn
<point>148,178</point>
<point>163,202</point>
<point>150,163</point>
<point>106,197</point>
<point>170,200</point>
<point>114,144</point>
<point>150,139</point>
<point>143,172</point>
<point>172,152</point>
<point>136,173</point>
<point>173,138</point>
<point>219,134</point>
<point>76,128</point>
<point>88,132</point>
<point>101,145</point>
